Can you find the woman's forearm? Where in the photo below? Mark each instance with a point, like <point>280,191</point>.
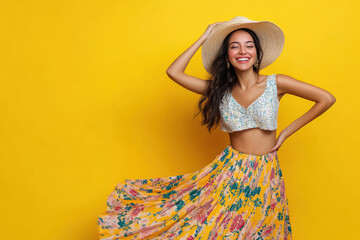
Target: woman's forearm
<point>315,111</point>
<point>180,63</point>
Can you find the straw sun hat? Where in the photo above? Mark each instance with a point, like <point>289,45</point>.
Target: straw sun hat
<point>270,36</point>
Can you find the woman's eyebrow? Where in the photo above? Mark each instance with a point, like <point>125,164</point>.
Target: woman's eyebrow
<point>245,42</point>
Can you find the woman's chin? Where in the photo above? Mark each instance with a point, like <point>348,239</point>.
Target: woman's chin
<point>243,68</point>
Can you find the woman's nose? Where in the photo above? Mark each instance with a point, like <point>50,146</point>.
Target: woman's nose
<point>242,50</point>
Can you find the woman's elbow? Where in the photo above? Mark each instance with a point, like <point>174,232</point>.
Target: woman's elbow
<point>170,74</point>
<point>330,99</point>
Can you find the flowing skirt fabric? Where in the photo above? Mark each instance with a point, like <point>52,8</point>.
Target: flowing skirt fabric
<point>236,196</point>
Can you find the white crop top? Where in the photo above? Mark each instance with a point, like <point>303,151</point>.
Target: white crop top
<point>261,113</point>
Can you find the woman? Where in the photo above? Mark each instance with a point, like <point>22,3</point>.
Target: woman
<point>240,194</point>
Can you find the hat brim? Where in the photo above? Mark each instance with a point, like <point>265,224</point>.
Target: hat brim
<point>270,36</point>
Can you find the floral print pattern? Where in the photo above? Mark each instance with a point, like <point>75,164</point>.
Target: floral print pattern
<point>236,196</point>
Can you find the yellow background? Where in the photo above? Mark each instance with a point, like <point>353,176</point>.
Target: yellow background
<point>85,101</point>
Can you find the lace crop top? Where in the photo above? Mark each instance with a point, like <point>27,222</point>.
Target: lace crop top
<point>261,113</point>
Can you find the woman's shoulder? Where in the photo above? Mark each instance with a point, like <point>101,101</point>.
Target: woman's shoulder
<point>283,79</point>
<point>286,83</point>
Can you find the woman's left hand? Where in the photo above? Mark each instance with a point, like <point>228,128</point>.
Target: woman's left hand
<point>281,138</point>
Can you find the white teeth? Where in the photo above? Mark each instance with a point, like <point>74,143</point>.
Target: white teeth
<point>242,59</point>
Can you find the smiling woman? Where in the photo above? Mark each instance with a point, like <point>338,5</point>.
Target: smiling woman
<point>241,193</point>
<point>242,48</point>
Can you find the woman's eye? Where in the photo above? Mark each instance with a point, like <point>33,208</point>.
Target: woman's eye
<point>237,47</point>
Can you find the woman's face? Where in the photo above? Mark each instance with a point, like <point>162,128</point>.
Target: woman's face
<point>241,50</point>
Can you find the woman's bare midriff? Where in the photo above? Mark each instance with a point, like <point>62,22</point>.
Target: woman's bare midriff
<point>254,141</point>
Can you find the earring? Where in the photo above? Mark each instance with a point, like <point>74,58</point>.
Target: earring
<point>256,63</point>
<point>227,64</point>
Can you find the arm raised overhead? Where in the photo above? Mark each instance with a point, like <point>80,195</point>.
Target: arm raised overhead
<point>176,70</point>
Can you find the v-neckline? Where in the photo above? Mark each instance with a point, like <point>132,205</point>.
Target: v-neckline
<point>246,108</point>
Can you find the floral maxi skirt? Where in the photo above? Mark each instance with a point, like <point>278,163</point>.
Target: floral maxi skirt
<point>236,196</point>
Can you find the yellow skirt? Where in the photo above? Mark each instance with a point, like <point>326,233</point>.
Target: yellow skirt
<point>236,196</point>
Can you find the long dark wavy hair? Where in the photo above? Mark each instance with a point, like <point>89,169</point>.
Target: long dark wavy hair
<point>223,80</point>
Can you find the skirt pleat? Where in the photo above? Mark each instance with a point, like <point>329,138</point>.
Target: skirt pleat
<point>236,196</point>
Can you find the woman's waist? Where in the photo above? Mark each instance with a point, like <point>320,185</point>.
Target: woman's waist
<point>253,141</point>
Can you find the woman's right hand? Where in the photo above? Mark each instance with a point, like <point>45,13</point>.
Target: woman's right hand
<point>176,70</point>
<point>209,29</point>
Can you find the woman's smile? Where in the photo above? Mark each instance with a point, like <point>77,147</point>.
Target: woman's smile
<point>243,60</point>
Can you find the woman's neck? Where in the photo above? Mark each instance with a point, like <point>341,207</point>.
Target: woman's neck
<point>247,79</point>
